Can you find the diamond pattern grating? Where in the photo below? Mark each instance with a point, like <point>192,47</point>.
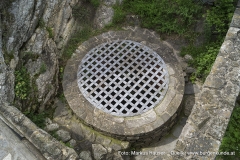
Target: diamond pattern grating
<point>123,78</point>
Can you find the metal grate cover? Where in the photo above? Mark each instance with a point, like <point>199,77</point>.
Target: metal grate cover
<point>123,77</point>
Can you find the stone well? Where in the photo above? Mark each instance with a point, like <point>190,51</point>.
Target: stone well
<point>125,84</point>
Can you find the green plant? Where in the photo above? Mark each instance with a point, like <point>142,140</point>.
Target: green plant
<point>54,134</point>
<point>80,36</point>
<point>231,139</point>
<point>62,98</point>
<point>81,14</point>
<point>203,58</point>
<point>174,16</point>
<point>29,55</point>
<point>8,56</point>
<point>50,32</point>
<point>68,145</point>
<point>215,29</point>
<point>43,68</point>
<point>61,69</point>
<point>95,3</point>
<point>219,16</point>
<point>41,23</point>
<point>22,83</point>
<point>119,14</point>
<point>37,118</point>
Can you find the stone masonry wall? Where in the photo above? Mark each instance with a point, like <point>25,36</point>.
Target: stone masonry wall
<point>47,145</point>
<point>209,118</point>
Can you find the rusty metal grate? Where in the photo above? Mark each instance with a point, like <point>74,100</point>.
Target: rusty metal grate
<point>123,77</point>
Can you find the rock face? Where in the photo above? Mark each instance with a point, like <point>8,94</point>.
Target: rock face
<point>105,13</point>
<point>104,16</point>
<point>36,33</point>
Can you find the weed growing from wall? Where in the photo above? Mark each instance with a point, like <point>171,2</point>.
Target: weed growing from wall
<point>8,56</point>
<point>43,68</point>
<point>25,56</point>
<point>95,3</point>
<point>22,83</point>
<point>50,32</point>
<point>41,23</point>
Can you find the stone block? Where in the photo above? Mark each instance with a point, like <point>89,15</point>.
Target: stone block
<point>165,116</point>
<point>114,118</point>
<point>52,127</point>
<point>217,127</point>
<point>125,145</point>
<point>99,152</point>
<point>236,19</point>
<point>112,127</point>
<point>165,102</point>
<point>73,143</point>
<point>103,140</point>
<point>190,70</point>
<point>174,104</point>
<point>89,135</point>
<point>209,96</point>
<point>227,47</point>
<point>202,143</point>
<point>200,117</point>
<point>86,155</point>
<point>188,58</point>
<point>116,147</point>
<point>158,122</point>
<point>172,81</point>
<point>140,121</point>
<point>63,135</point>
<point>180,146</point>
<point>232,33</point>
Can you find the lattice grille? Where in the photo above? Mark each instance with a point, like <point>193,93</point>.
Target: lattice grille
<point>123,78</point>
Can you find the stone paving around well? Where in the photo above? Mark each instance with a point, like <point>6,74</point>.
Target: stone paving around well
<point>164,148</point>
